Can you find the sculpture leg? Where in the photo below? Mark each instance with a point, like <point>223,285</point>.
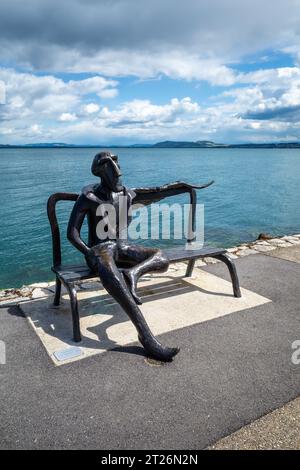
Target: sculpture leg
<point>233,273</point>
<point>113,281</point>
<point>56,300</point>
<point>147,260</point>
<point>75,314</point>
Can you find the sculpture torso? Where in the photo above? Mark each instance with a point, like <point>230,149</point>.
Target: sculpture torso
<point>92,198</point>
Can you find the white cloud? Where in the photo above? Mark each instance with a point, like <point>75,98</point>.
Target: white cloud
<point>275,94</point>
<point>175,63</point>
<point>275,77</point>
<point>67,117</point>
<point>145,113</point>
<point>91,108</point>
<point>29,95</point>
<point>6,130</point>
<point>2,92</point>
<point>264,105</point>
<point>35,130</point>
<point>108,93</point>
<point>96,85</point>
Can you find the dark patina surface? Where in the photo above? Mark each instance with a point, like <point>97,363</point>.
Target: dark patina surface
<point>118,263</point>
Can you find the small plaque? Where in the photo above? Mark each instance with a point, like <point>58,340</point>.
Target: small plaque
<point>68,353</point>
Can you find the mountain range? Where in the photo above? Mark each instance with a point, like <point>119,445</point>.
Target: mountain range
<point>165,144</point>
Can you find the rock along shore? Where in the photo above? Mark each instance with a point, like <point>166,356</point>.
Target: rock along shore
<point>44,289</point>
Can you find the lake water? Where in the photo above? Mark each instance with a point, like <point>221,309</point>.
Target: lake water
<point>255,191</point>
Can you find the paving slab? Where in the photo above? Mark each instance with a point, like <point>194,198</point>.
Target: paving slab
<point>290,254</point>
<point>231,370</point>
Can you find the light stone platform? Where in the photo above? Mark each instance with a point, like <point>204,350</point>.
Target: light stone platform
<point>170,302</point>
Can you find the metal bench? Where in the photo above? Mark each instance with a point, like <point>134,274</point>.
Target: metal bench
<point>69,275</point>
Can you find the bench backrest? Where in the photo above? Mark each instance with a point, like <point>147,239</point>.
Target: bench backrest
<point>55,232</point>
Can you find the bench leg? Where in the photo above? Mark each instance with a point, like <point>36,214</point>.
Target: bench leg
<point>56,301</point>
<point>190,267</point>
<point>75,314</point>
<point>233,273</point>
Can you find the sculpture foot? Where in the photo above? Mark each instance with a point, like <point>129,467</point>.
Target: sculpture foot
<point>131,282</point>
<point>155,350</point>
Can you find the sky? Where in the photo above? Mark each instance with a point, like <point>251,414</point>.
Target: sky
<point>135,71</point>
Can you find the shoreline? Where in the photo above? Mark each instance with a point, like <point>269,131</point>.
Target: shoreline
<point>13,296</point>
<point>169,144</point>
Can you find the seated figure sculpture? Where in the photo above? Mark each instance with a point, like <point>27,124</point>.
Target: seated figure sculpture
<point>119,263</point>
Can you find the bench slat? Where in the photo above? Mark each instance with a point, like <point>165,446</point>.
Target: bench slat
<point>181,254</point>
<point>78,272</point>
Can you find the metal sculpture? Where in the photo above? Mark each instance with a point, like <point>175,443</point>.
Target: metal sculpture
<point>118,263</point>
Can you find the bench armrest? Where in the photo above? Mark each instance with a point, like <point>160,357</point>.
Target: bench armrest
<point>51,212</point>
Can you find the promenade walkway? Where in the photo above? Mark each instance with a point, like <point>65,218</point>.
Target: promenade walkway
<point>232,370</point>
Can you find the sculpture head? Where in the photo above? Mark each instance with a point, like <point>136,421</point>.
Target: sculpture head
<point>106,166</point>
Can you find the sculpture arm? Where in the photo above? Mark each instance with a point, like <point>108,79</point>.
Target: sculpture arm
<point>75,223</point>
<point>148,195</point>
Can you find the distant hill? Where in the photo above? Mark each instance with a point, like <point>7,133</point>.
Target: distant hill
<point>198,144</point>
<point>271,145</point>
<point>166,144</point>
<point>209,144</point>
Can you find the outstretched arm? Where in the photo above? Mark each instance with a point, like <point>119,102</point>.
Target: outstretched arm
<point>75,223</point>
<point>146,196</point>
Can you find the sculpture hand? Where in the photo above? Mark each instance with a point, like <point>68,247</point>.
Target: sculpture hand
<point>183,184</point>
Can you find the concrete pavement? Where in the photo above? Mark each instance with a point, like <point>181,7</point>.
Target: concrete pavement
<point>230,371</point>
<point>279,429</point>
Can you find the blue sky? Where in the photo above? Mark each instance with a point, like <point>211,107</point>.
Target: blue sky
<point>127,71</point>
